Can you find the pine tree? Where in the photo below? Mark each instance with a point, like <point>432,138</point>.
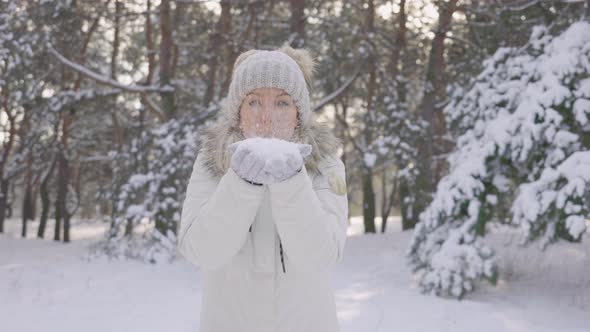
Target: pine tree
<point>523,159</point>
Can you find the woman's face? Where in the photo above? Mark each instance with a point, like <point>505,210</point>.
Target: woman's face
<point>268,112</point>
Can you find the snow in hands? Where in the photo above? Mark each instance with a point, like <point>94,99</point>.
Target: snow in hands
<point>522,159</point>
<point>279,159</point>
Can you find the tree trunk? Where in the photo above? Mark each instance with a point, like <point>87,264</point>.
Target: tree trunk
<point>218,39</point>
<point>61,211</point>
<point>58,204</point>
<point>166,59</point>
<point>4,185</point>
<point>368,192</point>
<point>7,145</point>
<point>406,201</point>
<point>63,174</point>
<point>34,196</point>
<point>343,128</point>
<point>384,201</point>
<point>368,201</point>
<point>434,91</point>
<point>393,66</point>
<point>409,217</point>
<point>231,52</point>
<point>117,129</point>
<point>27,201</point>
<point>297,28</point>
<point>45,201</point>
<point>68,117</point>
<point>151,52</point>
<point>387,201</point>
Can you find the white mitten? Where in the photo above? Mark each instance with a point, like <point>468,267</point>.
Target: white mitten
<point>245,162</point>
<point>287,161</point>
<point>282,159</point>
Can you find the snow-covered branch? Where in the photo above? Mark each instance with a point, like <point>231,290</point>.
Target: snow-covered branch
<point>104,79</point>
<point>143,90</point>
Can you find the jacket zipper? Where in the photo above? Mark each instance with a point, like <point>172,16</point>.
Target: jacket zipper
<point>282,261</point>
<point>281,249</point>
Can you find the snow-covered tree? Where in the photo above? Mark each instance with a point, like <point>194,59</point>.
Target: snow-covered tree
<point>148,190</point>
<point>522,159</point>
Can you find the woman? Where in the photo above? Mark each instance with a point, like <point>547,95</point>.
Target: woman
<point>266,243</point>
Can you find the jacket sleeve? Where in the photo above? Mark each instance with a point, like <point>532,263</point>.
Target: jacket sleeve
<point>215,217</point>
<point>311,218</point>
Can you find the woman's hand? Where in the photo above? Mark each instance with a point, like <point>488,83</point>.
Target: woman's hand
<point>285,164</point>
<point>247,164</point>
<point>280,159</point>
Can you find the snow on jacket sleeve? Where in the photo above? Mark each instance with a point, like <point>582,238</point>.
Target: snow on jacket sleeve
<point>216,216</point>
<point>311,218</point>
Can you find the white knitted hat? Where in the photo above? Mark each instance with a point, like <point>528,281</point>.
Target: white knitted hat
<point>285,68</point>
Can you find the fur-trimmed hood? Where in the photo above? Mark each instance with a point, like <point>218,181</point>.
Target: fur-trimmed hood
<point>216,137</point>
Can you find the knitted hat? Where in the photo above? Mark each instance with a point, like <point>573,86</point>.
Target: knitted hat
<point>284,68</point>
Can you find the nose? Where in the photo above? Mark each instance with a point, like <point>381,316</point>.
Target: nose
<point>265,122</point>
<point>265,115</point>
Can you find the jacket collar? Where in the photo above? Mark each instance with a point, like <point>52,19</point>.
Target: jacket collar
<point>218,135</point>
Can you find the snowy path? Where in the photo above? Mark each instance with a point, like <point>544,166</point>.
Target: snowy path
<point>49,285</point>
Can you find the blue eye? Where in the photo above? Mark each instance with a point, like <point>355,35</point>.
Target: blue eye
<point>253,101</point>
<point>284,103</point>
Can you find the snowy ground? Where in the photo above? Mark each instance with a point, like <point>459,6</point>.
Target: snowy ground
<point>51,286</point>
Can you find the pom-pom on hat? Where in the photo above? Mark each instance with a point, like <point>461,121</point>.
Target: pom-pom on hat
<point>284,68</point>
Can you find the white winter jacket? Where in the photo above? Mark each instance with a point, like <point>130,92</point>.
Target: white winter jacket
<point>266,253</point>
